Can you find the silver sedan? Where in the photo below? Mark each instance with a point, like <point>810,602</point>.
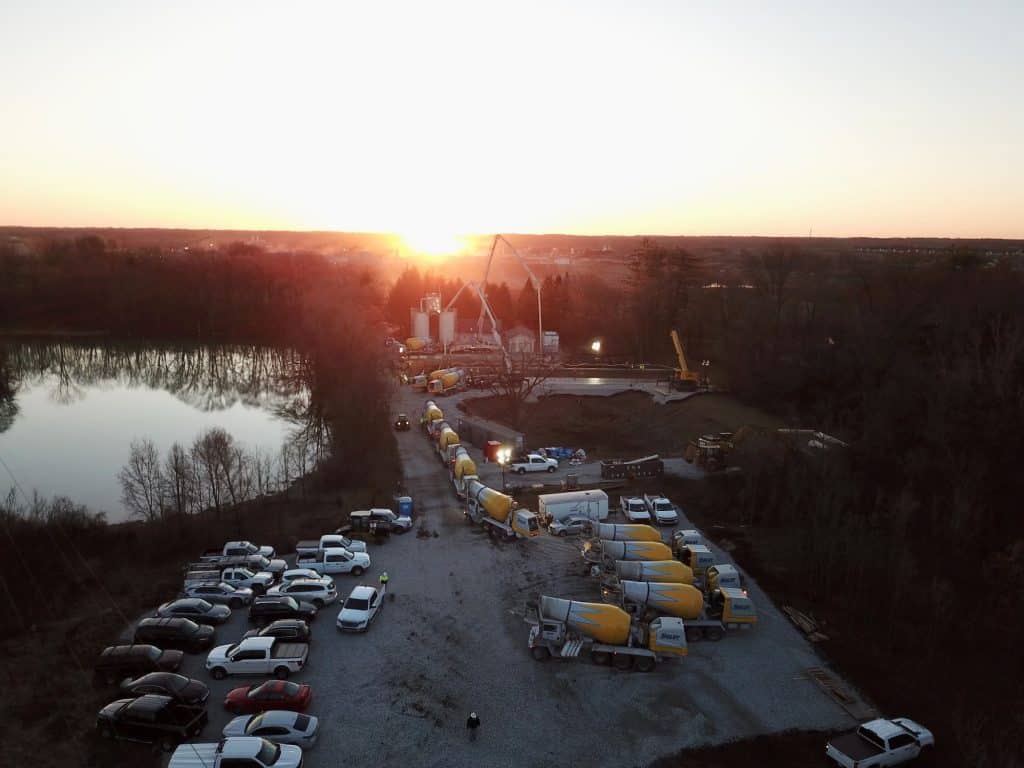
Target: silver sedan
<point>278,726</point>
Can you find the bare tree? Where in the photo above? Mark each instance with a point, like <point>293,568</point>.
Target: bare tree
<point>142,481</point>
<point>517,381</point>
<point>207,452</point>
<point>180,480</point>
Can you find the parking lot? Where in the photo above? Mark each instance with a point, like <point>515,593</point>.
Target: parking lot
<point>451,639</point>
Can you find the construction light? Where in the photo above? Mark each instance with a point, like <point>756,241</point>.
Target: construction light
<point>595,346</point>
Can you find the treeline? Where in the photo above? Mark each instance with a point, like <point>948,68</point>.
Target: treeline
<point>238,292</point>
<point>915,528</point>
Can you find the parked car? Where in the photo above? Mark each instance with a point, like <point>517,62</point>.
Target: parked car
<point>315,592</point>
<point>182,689</point>
<point>359,609</point>
<point>335,560</point>
<point>634,509</point>
<point>534,462</point>
<point>151,719</point>
<point>277,725</point>
<point>880,743</point>
<point>295,630</point>
<point>366,519</point>
<point>120,661</point>
<point>237,752</point>
<point>245,577</point>
<point>305,573</point>
<point>572,524</point>
<point>199,610</point>
<point>257,656</point>
<point>183,634</point>
<point>264,610</point>
<point>402,423</point>
<point>220,592</point>
<point>272,694</point>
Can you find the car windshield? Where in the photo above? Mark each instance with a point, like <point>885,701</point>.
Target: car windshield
<point>226,587</point>
<point>268,753</point>
<point>254,723</point>
<point>357,604</point>
<point>176,683</point>
<point>301,722</point>
<point>189,627</point>
<point>199,605</point>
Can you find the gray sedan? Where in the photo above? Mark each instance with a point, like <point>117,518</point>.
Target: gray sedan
<point>220,592</point>
<point>570,524</point>
<point>194,608</point>
<point>278,726</point>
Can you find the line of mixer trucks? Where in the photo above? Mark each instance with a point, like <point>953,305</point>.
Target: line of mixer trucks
<point>667,595</point>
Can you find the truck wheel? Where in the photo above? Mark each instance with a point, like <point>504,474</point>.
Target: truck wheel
<point>236,603</point>
<point>521,471</point>
<point>357,571</point>
<point>623,661</point>
<point>714,634</point>
<point>281,673</point>
<point>601,658</point>
<point>563,534</point>
<point>644,664</point>
<point>540,653</point>
<point>550,470</point>
<point>218,673</point>
<point>694,634</point>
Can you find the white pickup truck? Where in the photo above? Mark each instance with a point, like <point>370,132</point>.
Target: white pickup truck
<point>257,656</point>
<point>880,743</point>
<point>662,511</point>
<point>235,751</point>
<point>634,509</point>
<point>533,463</point>
<point>335,560</point>
<point>238,549</point>
<point>329,541</point>
<point>243,577</point>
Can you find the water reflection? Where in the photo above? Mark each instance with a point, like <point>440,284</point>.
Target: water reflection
<point>71,408</point>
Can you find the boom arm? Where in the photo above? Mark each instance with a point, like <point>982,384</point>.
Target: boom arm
<point>683,368</point>
<point>533,281</point>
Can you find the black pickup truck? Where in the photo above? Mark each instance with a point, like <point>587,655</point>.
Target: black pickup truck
<point>151,719</point>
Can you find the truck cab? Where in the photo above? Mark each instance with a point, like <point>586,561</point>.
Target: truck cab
<point>662,511</point>
<point>697,556</point>
<point>732,607</point>
<point>722,575</point>
<point>533,463</point>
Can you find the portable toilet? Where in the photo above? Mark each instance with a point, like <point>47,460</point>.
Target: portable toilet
<point>405,506</point>
<point>491,450</point>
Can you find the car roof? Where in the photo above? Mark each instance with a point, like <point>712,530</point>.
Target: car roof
<point>362,591</point>
<point>258,642</point>
<point>240,747</point>
<point>285,623</point>
<point>165,621</point>
<point>127,649</point>
<point>299,570</point>
<point>309,583</point>
<point>194,601</point>
<point>151,702</point>
<point>279,717</point>
<point>272,599</point>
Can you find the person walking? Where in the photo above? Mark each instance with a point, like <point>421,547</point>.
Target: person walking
<point>383,581</point>
<point>472,723</point>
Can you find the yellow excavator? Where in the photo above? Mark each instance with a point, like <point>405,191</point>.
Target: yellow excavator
<point>684,378</point>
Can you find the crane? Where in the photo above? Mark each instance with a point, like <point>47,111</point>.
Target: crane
<point>484,308</point>
<point>533,281</point>
<point>685,378</point>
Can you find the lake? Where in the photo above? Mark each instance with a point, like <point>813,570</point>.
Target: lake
<point>69,410</point>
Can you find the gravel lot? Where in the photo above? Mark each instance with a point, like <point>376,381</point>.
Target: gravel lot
<point>453,640</point>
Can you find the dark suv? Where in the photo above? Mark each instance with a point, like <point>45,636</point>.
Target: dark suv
<point>120,661</point>
<point>289,630</point>
<point>267,609</point>
<point>183,634</point>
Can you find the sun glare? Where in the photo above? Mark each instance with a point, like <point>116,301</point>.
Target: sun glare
<point>432,243</point>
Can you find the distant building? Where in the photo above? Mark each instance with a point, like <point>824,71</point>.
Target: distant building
<point>520,340</point>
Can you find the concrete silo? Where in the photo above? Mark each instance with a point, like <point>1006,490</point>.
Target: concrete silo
<point>446,327</point>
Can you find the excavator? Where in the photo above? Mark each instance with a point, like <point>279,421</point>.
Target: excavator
<point>685,379</point>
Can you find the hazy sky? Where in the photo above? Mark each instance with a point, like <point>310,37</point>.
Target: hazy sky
<point>895,118</point>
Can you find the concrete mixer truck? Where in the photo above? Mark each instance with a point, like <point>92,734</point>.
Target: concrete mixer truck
<point>618,532</point>
<point>564,629</point>
<point>656,571</point>
<point>450,380</point>
<point>431,413</point>
<point>601,555</point>
<point>463,469</point>
<point>498,513</point>
<point>446,437</point>
<point>725,608</point>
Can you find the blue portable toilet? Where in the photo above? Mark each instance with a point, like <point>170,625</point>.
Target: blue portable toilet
<point>405,506</point>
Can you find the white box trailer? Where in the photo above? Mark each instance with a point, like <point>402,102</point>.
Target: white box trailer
<point>558,506</point>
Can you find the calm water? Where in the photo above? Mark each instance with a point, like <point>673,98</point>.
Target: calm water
<point>73,409</point>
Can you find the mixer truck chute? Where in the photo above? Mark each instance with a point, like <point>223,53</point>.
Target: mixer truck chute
<point>614,532</point>
<point>725,608</point>
<point>566,628</point>
<point>498,513</point>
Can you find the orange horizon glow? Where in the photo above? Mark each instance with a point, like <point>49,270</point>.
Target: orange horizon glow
<point>429,120</point>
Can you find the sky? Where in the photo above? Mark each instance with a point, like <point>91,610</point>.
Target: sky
<point>431,119</point>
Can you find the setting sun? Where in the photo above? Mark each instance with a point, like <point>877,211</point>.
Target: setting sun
<point>431,243</point>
